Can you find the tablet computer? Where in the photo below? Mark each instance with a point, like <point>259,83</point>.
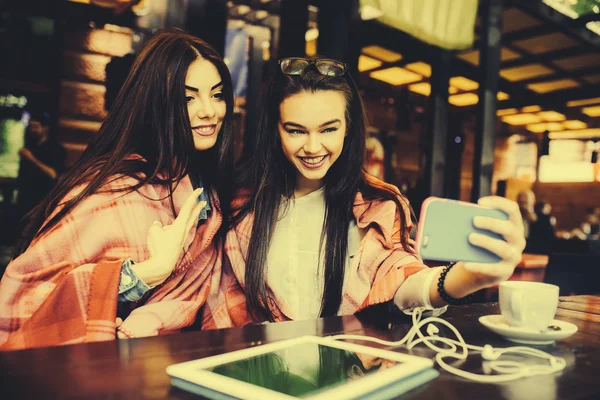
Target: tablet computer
<point>308,367</point>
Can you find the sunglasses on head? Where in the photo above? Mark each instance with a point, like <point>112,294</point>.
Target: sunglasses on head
<point>325,66</point>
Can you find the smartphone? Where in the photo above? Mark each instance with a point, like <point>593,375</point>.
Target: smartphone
<point>444,229</point>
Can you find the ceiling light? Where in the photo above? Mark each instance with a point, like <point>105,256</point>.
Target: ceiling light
<point>381,53</point>
<point>545,126</point>
<point>583,102</point>
<point>420,68</point>
<point>463,99</point>
<point>463,83</point>
<point>522,119</point>
<point>506,111</point>
<point>525,72</point>
<point>423,88</point>
<point>366,63</point>
<point>574,124</point>
<point>591,111</point>
<point>551,86</point>
<point>552,116</point>
<point>530,109</point>
<point>396,76</point>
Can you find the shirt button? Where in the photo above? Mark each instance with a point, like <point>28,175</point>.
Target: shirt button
<point>125,279</point>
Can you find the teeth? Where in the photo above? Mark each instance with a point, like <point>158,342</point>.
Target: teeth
<point>205,129</point>
<point>313,161</point>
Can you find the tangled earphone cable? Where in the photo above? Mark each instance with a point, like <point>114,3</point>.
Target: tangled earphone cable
<point>507,370</point>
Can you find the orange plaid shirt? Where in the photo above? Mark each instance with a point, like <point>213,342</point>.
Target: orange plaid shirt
<point>64,288</point>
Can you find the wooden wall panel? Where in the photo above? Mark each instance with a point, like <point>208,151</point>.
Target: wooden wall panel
<point>77,131</point>
<point>87,51</point>
<point>85,67</point>
<point>83,101</point>
<point>73,151</point>
<point>99,41</point>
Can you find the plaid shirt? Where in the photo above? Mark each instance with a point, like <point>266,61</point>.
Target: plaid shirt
<point>378,269</point>
<point>64,288</point>
<point>131,287</point>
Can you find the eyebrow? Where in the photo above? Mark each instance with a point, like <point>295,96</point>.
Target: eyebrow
<point>294,124</point>
<point>193,89</point>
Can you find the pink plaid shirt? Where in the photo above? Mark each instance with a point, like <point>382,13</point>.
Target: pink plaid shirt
<point>64,288</point>
<point>378,269</point>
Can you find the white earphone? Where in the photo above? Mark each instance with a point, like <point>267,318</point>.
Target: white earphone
<point>507,370</point>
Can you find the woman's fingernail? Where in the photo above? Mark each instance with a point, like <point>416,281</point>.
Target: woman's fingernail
<point>477,221</point>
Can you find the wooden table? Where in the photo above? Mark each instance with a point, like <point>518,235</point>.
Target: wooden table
<point>128,369</point>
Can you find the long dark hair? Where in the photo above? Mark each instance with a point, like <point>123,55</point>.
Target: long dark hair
<point>149,118</point>
<point>266,176</point>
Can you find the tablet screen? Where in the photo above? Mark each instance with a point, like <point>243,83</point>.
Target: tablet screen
<point>304,369</point>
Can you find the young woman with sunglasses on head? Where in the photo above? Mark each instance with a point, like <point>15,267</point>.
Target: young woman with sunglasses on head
<point>313,235</point>
<point>133,223</point>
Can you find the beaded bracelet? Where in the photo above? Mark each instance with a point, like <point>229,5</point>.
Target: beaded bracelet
<point>447,298</point>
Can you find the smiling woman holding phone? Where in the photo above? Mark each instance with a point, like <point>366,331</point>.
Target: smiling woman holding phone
<point>313,234</point>
<point>134,223</point>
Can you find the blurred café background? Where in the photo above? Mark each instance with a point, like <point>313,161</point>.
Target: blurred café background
<point>465,98</point>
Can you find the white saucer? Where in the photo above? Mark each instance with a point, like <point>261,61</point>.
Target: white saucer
<point>497,324</point>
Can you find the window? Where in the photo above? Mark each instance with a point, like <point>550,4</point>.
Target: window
<point>570,161</point>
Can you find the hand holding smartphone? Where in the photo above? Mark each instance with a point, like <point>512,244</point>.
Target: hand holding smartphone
<point>444,229</point>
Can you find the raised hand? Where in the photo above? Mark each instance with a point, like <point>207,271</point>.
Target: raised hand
<point>510,250</point>
<point>165,243</point>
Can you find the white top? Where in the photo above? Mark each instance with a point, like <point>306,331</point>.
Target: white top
<point>294,260</point>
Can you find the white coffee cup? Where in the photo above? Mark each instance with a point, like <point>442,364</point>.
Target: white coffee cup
<point>529,305</point>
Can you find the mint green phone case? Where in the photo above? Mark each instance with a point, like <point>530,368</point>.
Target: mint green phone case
<point>444,229</point>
